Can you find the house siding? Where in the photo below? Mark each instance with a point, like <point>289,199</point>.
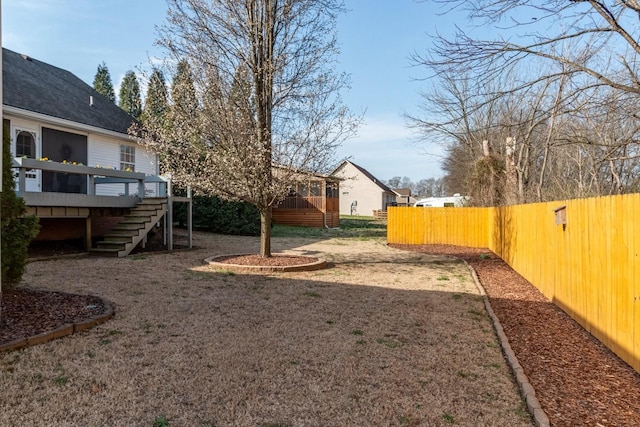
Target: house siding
<point>101,150</point>
<point>358,187</point>
<point>105,152</point>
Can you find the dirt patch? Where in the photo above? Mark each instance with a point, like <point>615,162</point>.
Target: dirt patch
<point>384,337</point>
<point>577,380</point>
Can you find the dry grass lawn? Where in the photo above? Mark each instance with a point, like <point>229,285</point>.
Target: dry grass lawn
<point>382,337</point>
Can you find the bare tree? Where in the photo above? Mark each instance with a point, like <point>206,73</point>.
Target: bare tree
<point>394,182</point>
<point>268,94</point>
<point>557,82</point>
<point>430,187</point>
<point>594,39</point>
<point>406,183</point>
<point>605,152</point>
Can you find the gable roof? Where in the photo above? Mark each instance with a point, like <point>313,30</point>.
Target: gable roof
<point>406,192</point>
<point>366,173</point>
<point>35,86</point>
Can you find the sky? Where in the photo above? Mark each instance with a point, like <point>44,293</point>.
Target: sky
<point>377,38</point>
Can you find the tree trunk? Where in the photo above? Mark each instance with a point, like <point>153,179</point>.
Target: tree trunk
<point>511,172</point>
<point>265,232</point>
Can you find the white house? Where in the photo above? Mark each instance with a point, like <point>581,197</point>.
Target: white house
<point>53,114</point>
<point>361,193</point>
<point>66,139</point>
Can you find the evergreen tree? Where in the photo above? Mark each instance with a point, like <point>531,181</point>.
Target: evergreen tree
<point>182,116</point>
<point>156,103</point>
<point>102,82</point>
<point>183,91</point>
<point>129,96</point>
<point>241,98</point>
<point>17,230</point>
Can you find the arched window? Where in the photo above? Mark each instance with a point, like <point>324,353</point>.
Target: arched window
<point>25,145</point>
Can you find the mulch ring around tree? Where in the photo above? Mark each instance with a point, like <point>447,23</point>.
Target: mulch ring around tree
<point>577,380</point>
<point>276,262</point>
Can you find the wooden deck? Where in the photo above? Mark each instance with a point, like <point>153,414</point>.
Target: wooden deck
<point>72,200</point>
<point>89,216</point>
<point>311,211</point>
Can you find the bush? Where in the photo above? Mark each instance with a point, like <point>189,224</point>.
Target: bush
<point>17,230</point>
<point>214,214</point>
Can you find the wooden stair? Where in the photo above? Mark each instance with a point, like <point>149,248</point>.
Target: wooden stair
<point>135,226</point>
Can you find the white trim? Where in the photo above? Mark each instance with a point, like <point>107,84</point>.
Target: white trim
<point>34,179</point>
<point>16,130</point>
<point>66,129</point>
<point>43,118</point>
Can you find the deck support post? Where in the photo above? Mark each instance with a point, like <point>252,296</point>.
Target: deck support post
<point>87,233</point>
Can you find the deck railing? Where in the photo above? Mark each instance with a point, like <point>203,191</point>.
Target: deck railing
<point>94,175</point>
<point>325,204</point>
<point>97,176</point>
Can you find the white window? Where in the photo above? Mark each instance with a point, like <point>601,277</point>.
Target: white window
<point>26,145</point>
<point>127,158</point>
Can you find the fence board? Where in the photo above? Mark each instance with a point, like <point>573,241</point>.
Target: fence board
<point>634,271</point>
<point>589,268</point>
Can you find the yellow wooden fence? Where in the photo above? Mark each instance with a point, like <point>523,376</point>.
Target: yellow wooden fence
<point>589,267</point>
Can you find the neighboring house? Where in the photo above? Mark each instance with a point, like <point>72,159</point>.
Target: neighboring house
<point>360,192</point>
<point>59,125</point>
<point>404,197</point>
<point>312,202</point>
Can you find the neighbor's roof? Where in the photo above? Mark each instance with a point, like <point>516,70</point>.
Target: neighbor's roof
<point>406,192</point>
<point>365,173</point>
<point>32,85</point>
<point>305,173</point>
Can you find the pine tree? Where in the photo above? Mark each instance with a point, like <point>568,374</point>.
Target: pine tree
<point>129,96</point>
<point>183,91</point>
<point>17,229</point>
<point>156,103</point>
<point>241,104</point>
<point>182,115</point>
<point>102,82</point>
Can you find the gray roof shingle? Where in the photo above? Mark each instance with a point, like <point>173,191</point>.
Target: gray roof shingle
<point>35,86</point>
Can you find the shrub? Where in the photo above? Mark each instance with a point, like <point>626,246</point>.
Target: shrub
<point>214,214</point>
<point>17,229</point>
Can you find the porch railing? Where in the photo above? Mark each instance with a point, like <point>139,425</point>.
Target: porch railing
<point>98,176</point>
<point>95,175</point>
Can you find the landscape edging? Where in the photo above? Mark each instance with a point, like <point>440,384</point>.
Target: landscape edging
<point>540,418</point>
<point>60,331</point>
<point>318,264</point>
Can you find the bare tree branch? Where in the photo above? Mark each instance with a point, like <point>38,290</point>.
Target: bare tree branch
<point>268,95</point>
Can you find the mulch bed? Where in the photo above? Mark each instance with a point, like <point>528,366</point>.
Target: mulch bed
<point>27,312</point>
<point>577,380</point>
<point>272,261</point>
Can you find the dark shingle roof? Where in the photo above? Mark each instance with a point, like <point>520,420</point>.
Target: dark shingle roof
<point>32,85</point>
<point>367,174</point>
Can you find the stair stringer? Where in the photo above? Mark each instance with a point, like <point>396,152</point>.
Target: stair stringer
<point>142,233</point>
